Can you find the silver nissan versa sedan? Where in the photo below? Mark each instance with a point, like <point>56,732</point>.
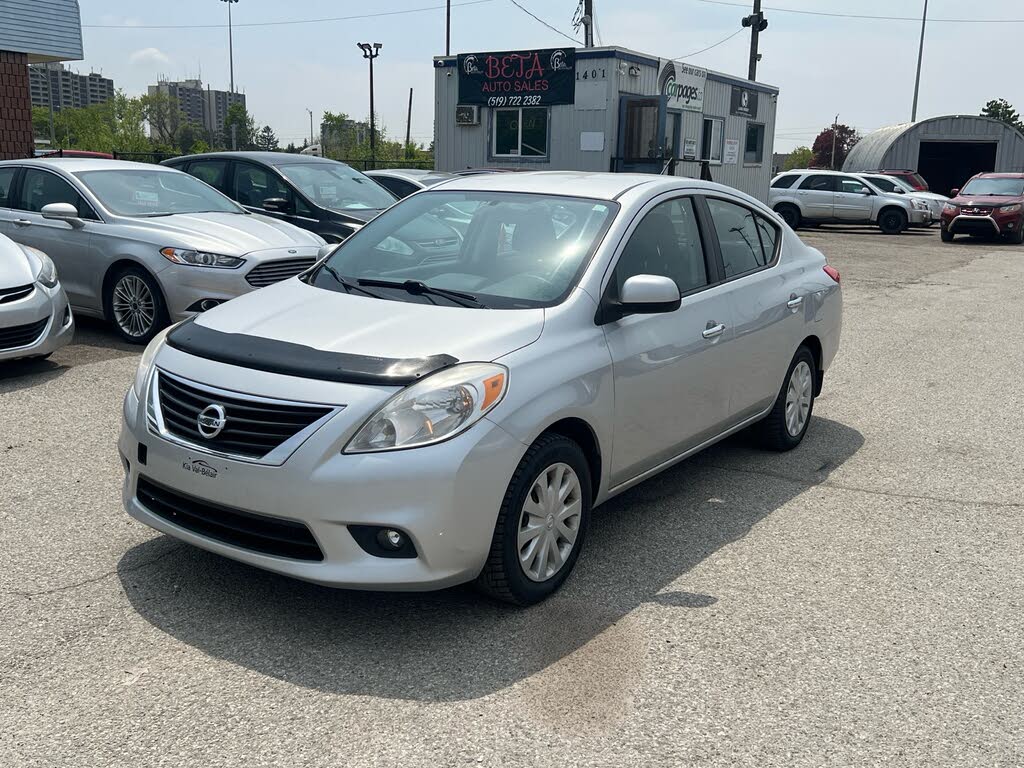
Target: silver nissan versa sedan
<point>389,420</point>
<point>142,245</point>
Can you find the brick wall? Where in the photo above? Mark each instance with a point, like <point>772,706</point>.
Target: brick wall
<point>15,107</point>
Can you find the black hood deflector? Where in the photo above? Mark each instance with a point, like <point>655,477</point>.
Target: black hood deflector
<point>290,359</point>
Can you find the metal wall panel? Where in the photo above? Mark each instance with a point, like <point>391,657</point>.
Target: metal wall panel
<point>47,30</point>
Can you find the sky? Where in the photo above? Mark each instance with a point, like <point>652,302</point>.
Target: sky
<point>861,69</point>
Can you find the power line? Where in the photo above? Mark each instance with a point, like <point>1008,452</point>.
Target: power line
<point>538,18</point>
<point>282,23</point>
<point>702,50</point>
<point>863,16</point>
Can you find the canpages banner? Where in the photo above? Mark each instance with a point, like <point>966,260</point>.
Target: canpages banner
<point>683,85</point>
<point>518,78</point>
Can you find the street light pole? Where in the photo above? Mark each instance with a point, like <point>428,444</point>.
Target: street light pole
<point>370,52</point>
<point>920,57</point>
<point>310,126</point>
<point>835,126</point>
<point>231,51</point>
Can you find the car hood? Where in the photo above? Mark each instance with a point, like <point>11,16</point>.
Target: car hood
<point>231,234</point>
<point>16,266</point>
<point>358,215</point>
<point>929,196</point>
<point>295,312</point>
<point>991,201</point>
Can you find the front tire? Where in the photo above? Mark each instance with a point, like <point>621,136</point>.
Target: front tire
<point>136,305</point>
<point>946,235</point>
<point>787,423</point>
<point>892,221</point>
<point>541,524</point>
<point>1016,237</point>
<point>790,214</point>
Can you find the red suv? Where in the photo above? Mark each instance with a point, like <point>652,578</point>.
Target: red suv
<point>913,178</point>
<point>989,204</point>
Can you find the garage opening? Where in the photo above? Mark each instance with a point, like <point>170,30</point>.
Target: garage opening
<point>948,165</point>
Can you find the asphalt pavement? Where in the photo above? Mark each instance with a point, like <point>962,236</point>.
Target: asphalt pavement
<point>855,602</point>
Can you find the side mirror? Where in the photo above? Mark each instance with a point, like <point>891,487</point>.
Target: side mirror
<point>954,191</point>
<point>62,212</point>
<point>899,191</point>
<point>643,295</point>
<point>278,204</point>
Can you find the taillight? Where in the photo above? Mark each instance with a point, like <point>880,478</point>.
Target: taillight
<point>832,272</point>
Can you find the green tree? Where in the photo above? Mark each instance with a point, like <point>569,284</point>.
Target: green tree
<point>1002,110</point>
<point>266,139</point>
<point>245,127</point>
<point>800,157</point>
<point>128,118</point>
<point>185,137</point>
<point>198,147</point>
<point>164,115</point>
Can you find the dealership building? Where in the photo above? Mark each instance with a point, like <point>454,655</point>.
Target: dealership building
<point>602,109</point>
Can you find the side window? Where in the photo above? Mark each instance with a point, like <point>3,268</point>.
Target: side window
<point>210,171</point>
<point>884,184</point>
<point>740,233</point>
<point>398,186</point>
<point>6,180</point>
<point>254,184</point>
<point>666,242</point>
<point>819,183</point>
<point>852,186</point>
<point>39,188</point>
<point>785,182</point>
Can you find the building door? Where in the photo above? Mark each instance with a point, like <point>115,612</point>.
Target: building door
<point>948,165</point>
<point>641,134</point>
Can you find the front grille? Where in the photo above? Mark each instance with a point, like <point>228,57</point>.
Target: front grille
<point>259,533</point>
<point>8,295</point>
<point>252,428</point>
<point>976,211</point>
<point>21,335</point>
<point>275,271</point>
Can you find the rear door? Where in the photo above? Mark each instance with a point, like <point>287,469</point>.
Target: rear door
<point>213,170</point>
<point>816,194</point>
<point>853,200</point>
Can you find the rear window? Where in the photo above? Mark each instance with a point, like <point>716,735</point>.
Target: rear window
<point>785,182</point>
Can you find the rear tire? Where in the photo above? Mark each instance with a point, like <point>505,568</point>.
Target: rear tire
<point>135,305</point>
<point>892,221</point>
<point>946,235</point>
<point>787,423</point>
<point>531,554</point>
<point>790,214</point>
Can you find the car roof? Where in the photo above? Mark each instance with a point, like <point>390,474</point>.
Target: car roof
<point>821,171</point>
<point>267,158</point>
<point>77,164</point>
<point>998,176</point>
<point>409,173</point>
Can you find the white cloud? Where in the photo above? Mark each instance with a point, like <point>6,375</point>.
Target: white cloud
<point>150,56</point>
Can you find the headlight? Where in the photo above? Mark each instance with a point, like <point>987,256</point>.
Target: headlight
<point>201,258</point>
<point>47,271</point>
<point>146,362</point>
<point>920,205</point>
<point>950,208</point>
<point>434,409</point>
<point>1009,208</point>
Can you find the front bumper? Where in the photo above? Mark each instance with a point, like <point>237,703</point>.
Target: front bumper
<point>445,497</point>
<point>963,224</point>
<point>50,304</point>
<point>185,287</point>
<point>919,218</point>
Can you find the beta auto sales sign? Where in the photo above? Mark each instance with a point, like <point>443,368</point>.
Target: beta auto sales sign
<point>518,78</point>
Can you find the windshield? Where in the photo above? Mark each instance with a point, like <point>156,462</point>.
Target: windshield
<point>154,193</point>
<point>997,187</point>
<point>335,185</point>
<point>502,249</point>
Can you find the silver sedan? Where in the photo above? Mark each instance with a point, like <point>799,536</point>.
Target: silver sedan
<point>143,245</point>
<point>388,421</point>
<point>35,319</point>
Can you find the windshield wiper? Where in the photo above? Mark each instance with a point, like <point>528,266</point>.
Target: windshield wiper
<point>418,288</point>
<point>346,284</point>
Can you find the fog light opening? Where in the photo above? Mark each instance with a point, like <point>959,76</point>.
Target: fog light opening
<point>383,541</point>
<point>391,539</point>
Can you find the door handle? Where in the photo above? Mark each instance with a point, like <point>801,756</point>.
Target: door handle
<point>22,222</point>
<point>713,331</point>
<point>795,302</point>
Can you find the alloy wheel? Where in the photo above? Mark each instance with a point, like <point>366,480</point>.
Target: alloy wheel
<point>798,398</point>
<point>134,306</point>
<point>549,522</point>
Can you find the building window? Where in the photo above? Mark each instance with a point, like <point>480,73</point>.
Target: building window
<point>753,151</point>
<point>711,142</point>
<point>520,132</point>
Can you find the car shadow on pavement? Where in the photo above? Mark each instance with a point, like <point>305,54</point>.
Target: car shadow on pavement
<point>456,645</point>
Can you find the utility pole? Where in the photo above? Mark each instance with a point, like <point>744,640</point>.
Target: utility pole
<point>835,125</point>
<point>408,127</point>
<point>310,126</point>
<point>588,23</point>
<point>231,51</point>
<point>758,24</point>
<point>448,28</point>
<point>370,52</point>
<point>920,56</point>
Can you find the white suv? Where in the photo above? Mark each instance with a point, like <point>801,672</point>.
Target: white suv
<point>822,197</point>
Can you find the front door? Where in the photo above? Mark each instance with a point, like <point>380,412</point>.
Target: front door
<point>670,370</point>
<point>853,200</point>
<point>642,125</point>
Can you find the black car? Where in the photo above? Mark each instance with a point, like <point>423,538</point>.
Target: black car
<point>315,193</point>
